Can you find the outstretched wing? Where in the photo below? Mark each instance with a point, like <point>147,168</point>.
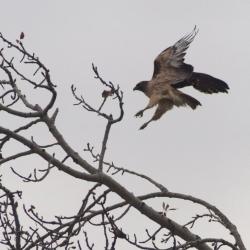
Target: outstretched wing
<point>174,55</point>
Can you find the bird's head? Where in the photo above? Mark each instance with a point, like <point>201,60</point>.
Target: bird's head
<point>141,86</point>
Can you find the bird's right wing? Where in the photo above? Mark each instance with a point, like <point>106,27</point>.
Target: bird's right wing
<point>174,55</point>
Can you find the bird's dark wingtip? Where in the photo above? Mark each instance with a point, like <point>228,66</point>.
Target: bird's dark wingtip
<point>208,84</point>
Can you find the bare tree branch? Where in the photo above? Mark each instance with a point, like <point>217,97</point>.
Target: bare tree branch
<point>70,232</point>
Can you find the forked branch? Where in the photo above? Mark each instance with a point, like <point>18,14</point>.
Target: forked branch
<point>99,208</point>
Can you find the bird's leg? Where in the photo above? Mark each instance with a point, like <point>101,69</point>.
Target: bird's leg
<point>145,124</point>
<point>149,106</point>
<point>163,106</point>
<point>140,113</point>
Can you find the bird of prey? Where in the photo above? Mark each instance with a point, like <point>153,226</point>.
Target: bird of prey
<point>170,74</point>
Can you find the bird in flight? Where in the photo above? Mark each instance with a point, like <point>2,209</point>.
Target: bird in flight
<point>170,74</point>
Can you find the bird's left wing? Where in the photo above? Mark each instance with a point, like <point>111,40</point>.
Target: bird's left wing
<point>174,55</point>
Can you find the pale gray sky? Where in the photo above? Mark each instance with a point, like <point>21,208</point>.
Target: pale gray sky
<point>204,152</point>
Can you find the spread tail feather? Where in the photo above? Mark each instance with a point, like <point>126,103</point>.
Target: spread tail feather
<point>204,83</point>
<point>190,101</point>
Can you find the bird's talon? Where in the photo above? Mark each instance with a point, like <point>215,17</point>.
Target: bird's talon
<point>139,114</point>
<point>143,126</point>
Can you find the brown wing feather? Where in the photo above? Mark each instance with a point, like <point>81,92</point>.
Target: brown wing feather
<point>174,55</point>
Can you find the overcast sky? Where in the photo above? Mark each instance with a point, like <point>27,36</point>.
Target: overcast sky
<point>204,152</point>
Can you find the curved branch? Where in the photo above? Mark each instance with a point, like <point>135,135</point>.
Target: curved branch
<point>174,227</point>
<point>206,240</point>
<point>48,157</point>
<point>22,128</point>
<point>13,204</point>
<point>69,151</point>
<point>34,60</point>
<point>16,156</point>
<point>123,170</point>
